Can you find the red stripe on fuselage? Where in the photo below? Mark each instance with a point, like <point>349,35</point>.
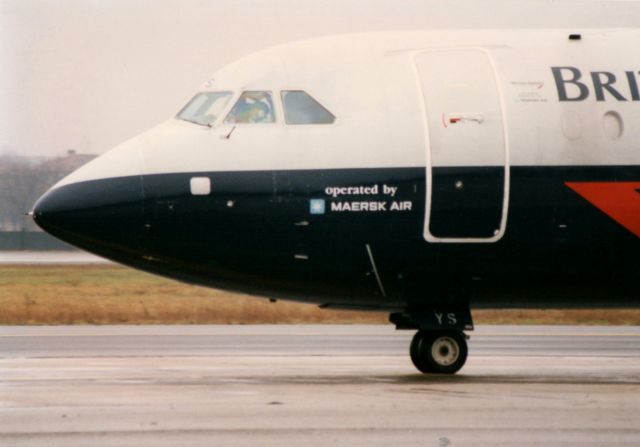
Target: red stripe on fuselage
<point>619,200</point>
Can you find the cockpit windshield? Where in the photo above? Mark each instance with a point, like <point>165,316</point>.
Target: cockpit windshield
<point>205,108</point>
<point>300,108</point>
<point>252,108</point>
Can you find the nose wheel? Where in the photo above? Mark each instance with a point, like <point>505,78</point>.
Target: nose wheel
<point>440,352</point>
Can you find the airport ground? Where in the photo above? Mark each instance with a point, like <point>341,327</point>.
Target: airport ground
<point>314,385</point>
<point>344,383</point>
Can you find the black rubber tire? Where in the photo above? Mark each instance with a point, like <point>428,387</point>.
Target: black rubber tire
<point>415,350</point>
<point>439,352</point>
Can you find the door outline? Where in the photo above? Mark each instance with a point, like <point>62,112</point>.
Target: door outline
<point>429,166</point>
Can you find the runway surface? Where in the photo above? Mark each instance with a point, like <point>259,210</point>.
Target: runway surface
<point>314,386</point>
<point>71,257</point>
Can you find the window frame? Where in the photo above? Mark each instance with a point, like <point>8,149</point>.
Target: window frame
<point>223,112</point>
<point>315,98</point>
<point>278,117</point>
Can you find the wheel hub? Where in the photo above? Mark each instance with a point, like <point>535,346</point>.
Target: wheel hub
<point>445,351</point>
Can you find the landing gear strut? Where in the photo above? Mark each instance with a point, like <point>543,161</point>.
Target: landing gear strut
<point>441,352</point>
<point>440,345</point>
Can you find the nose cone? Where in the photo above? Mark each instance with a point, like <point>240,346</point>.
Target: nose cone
<point>100,215</point>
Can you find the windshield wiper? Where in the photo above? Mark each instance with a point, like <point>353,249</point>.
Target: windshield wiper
<point>199,123</point>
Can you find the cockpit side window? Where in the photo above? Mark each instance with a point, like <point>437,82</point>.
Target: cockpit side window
<point>252,107</point>
<point>205,107</point>
<point>301,108</point>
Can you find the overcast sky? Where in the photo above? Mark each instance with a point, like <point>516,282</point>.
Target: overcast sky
<point>88,74</point>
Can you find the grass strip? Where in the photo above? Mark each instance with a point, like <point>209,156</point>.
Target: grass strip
<point>111,294</point>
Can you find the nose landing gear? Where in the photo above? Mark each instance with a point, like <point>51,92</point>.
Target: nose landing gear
<point>441,352</point>
<point>440,345</point>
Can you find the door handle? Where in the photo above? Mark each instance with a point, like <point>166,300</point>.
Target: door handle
<point>461,118</point>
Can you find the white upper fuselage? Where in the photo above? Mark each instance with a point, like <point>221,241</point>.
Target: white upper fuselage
<point>370,83</point>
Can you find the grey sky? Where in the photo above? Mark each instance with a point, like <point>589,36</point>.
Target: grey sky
<point>88,74</point>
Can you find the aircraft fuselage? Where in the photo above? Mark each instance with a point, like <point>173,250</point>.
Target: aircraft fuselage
<point>490,168</point>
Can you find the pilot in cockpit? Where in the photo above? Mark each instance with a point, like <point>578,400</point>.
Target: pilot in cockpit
<point>252,107</point>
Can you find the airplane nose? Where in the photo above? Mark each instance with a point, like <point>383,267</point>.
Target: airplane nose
<point>100,215</point>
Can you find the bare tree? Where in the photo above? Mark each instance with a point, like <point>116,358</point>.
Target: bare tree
<point>22,182</point>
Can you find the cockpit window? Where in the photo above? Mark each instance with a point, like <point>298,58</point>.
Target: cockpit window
<point>252,107</point>
<point>301,108</point>
<point>205,107</point>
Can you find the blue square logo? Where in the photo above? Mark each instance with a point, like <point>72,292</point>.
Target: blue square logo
<point>316,206</point>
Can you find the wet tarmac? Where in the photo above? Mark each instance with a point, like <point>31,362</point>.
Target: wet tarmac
<point>314,385</point>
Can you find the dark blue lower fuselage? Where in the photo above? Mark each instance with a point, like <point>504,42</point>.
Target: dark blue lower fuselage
<point>282,234</point>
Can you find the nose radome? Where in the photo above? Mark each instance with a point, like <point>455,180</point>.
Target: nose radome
<point>98,207</point>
